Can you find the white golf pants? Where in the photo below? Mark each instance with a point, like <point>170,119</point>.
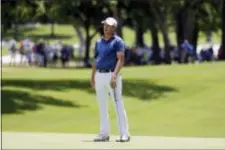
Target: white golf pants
<point>103,90</point>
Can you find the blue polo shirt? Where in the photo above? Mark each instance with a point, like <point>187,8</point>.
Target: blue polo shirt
<point>106,52</point>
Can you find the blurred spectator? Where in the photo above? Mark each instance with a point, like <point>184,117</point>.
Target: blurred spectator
<point>206,55</point>
<point>29,51</point>
<point>162,55</point>
<point>71,51</point>
<point>12,50</point>
<point>54,54</point>
<point>65,55</point>
<point>132,56</point>
<point>147,55</point>
<point>220,53</point>
<point>40,53</point>
<point>188,53</point>
<point>45,54</point>
<point>174,54</point>
<point>21,52</point>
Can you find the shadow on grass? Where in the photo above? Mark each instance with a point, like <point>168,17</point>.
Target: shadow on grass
<point>19,101</point>
<point>140,89</point>
<point>145,90</point>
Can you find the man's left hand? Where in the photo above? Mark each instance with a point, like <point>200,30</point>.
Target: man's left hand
<point>113,81</point>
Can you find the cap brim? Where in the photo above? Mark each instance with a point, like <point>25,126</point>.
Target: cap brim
<point>110,24</point>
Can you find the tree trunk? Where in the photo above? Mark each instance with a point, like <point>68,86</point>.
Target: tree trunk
<point>162,21</point>
<point>81,39</point>
<point>139,36</point>
<point>15,30</point>
<point>155,43</point>
<point>87,45</point>
<point>189,25</point>
<point>167,45</point>
<point>189,31</point>
<point>179,28</point>
<point>181,17</point>
<point>100,31</point>
<point>195,34</point>
<point>117,15</point>
<point>223,31</point>
<point>89,37</point>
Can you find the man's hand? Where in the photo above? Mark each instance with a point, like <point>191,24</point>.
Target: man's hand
<point>113,81</point>
<point>119,64</point>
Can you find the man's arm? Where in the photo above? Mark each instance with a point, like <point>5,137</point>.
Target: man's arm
<point>94,62</point>
<point>93,75</point>
<point>93,70</point>
<point>94,67</point>
<point>120,48</point>
<point>120,62</point>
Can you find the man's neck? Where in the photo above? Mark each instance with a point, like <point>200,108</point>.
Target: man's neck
<point>108,36</point>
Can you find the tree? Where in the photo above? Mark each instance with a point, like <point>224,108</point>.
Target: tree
<point>135,11</point>
<point>116,8</point>
<point>7,16</point>
<point>85,14</point>
<point>187,26</point>
<point>44,12</point>
<point>223,30</point>
<point>141,19</point>
<point>17,12</point>
<point>155,43</point>
<point>160,12</point>
<point>209,17</point>
<point>154,34</point>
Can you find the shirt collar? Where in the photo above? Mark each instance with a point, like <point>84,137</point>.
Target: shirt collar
<point>113,36</point>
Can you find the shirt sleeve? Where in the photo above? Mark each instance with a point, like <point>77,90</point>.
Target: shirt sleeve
<point>120,46</point>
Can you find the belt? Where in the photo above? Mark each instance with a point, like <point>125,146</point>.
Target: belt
<point>105,70</point>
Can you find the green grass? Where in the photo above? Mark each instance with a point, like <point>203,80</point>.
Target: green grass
<point>177,100</point>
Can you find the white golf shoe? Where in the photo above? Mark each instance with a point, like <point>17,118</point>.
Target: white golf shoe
<point>123,138</point>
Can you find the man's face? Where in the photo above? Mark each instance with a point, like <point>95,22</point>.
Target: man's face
<point>108,29</point>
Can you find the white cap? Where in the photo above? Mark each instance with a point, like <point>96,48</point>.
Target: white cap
<point>110,21</point>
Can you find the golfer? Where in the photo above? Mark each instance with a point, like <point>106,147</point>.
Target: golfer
<point>106,80</point>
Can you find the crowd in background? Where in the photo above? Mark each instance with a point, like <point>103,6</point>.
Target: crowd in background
<point>185,53</point>
<point>39,53</point>
<point>44,54</point>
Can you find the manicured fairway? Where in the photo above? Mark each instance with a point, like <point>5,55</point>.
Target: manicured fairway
<point>176,100</point>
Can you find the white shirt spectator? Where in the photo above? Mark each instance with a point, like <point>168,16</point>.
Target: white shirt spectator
<point>27,44</point>
<point>12,43</point>
<point>139,51</point>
